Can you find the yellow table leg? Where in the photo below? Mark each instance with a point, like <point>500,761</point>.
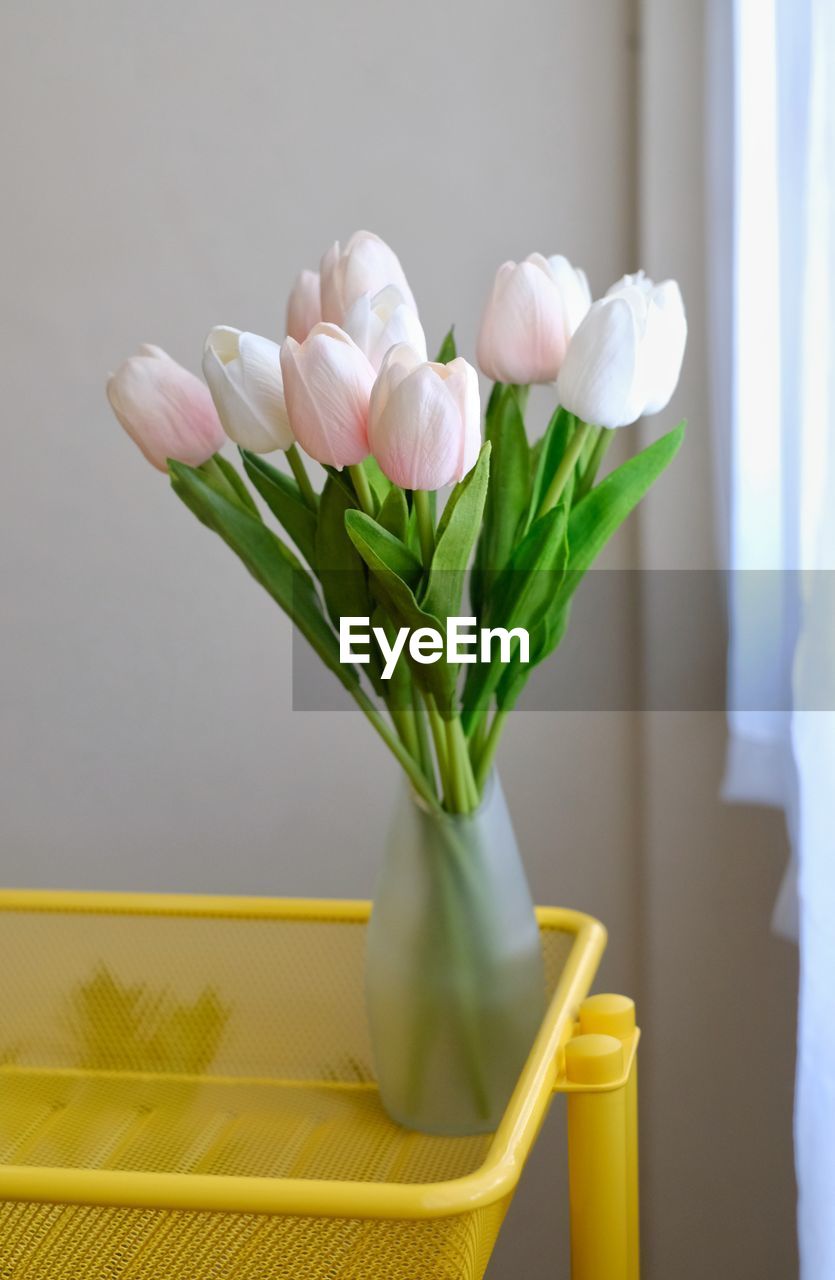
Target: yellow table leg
<point>597,1160</point>
<point>615,1016</point>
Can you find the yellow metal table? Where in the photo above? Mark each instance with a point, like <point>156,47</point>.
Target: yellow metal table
<point>186,1093</point>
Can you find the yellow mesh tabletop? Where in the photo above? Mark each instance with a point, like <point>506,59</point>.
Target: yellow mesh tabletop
<point>187,1092</point>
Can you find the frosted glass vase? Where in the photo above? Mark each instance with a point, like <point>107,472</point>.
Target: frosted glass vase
<point>454,974</point>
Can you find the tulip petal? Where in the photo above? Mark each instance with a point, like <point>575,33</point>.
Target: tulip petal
<point>398,362</point>
<point>523,336</point>
<point>600,378</point>
<point>403,327</point>
<point>263,386</point>
<point>574,291</point>
<point>243,371</point>
<point>331,305</point>
<point>462,384</point>
<point>304,306</point>
<point>361,325</point>
<point>417,438</point>
<point>380,322</point>
<point>366,265</point>
<point>327,385</point>
<point>666,338</point>
<point>166,410</point>
<point>369,264</point>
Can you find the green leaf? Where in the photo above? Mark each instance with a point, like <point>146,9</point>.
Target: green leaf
<point>343,479</point>
<point>339,567</point>
<point>603,510</point>
<point>536,454</point>
<point>507,493</point>
<point>527,583</point>
<point>497,390</point>
<point>456,536</point>
<point>392,554</point>
<point>523,591</point>
<point>544,636</point>
<point>283,497</point>
<point>544,640</point>
<point>591,524</point>
<point>270,562</point>
<point>398,599</point>
<point>394,514</point>
<point>550,454</point>
<point>447,351</point>
<point>236,482</point>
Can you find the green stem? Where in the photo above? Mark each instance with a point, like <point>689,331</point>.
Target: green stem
<point>404,723</point>
<point>588,450</point>
<point>426,529</point>
<point>409,765</point>
<point>424,748</point>
<point>477,737</point>
<point>436,724</point>
<point>299,470</point>
<point>462,782</point>
<point>363,489</point>
<point>598,453</point>
<point>564,470</point>
<point>458,786</point>
<point>462,748</point>
<point>485,761</point>
<point>458,967</point>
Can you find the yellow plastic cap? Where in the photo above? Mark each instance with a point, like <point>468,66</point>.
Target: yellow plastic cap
<point>593,1059</point>
<point>608,1016</point>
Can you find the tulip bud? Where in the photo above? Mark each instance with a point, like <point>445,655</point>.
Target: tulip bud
<point>327,385</point>
<point>625,358</point>
<point>381,322</point>
<point>365,265</point>
<point>165,410</point>
<point>533,310</point>
<point>244,376</point>
<point>424,420</point>
<point>304,306</point>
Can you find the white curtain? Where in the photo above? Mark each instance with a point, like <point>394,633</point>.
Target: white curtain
<point>771,172</point>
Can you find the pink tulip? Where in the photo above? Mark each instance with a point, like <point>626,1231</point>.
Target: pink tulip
<point>327,386</point>
<point>164,409</point>
<point>304,306</point>
<point>533,310</point>
<point>424,421</point>
<point>365,265</point>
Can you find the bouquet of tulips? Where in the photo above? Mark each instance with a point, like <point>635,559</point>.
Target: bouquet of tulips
<point>352,386</point>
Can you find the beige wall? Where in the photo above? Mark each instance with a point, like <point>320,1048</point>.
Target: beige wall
<point>170,166</point>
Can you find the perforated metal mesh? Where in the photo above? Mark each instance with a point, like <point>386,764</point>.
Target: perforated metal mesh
<point>51,1242</point>
<point>176,1044</point>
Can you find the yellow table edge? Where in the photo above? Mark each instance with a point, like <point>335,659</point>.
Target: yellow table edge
<point>492,1181</point>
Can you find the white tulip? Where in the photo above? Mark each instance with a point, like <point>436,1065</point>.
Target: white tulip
<point>243,371</point>
<point>380,322</point>
<point>366,265</point>
<point>625,358</point>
